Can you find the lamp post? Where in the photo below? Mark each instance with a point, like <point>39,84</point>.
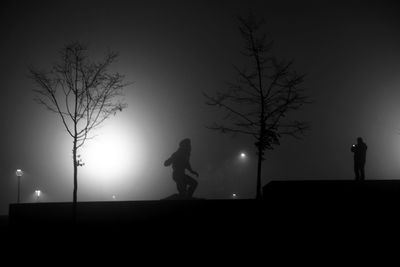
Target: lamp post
<point>38,193</point>
<point>19,173</point>
<point>242,159</point>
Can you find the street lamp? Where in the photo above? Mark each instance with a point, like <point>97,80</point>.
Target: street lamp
<point>38,193</point>
<point>19,173</point>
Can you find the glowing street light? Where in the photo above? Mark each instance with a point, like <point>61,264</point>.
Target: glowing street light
<point>38,193</point>
<point>19,173</point>
<point>113,197</point>
<point>242,160</point>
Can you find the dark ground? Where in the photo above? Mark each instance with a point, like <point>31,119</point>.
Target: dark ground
<point>3,221</point>
<point>293,215</point>
<point>284,202</point>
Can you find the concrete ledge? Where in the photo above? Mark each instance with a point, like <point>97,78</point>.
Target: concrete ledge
<point>164,213</point>
<point>288,208</point>
<point>332,190</point>
<point>338,202</point>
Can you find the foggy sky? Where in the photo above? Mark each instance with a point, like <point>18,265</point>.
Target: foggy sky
<point>175,50</point>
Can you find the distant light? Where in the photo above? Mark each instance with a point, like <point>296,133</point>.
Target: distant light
<point>234,195</point>
<point>243,155</point>
<point>38,192</point>
<point>19,172</point>
<point>113,197</point>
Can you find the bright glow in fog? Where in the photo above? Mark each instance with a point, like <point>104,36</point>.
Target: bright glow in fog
<point>113,159</point>
<point>19,172</point>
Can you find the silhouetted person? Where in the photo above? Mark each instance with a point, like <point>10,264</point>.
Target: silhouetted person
<point>180,163</point>
<point>360,153</point>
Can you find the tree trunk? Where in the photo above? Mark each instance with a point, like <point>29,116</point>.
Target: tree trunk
<point>75,192</point>
<point>260,150</point>
<point>259,164</point>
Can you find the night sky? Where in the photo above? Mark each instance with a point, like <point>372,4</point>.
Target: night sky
<point>175,50</point>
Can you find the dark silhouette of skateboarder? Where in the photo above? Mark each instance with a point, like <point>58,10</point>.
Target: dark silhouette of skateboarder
<point>180,161</point>
<point>360,152</point>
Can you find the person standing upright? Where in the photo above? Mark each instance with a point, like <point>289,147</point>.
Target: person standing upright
<point>360,153</point>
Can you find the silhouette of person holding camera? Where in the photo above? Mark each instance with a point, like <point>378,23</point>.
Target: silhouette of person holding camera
<point>180,161</point>
<point>360,152</point>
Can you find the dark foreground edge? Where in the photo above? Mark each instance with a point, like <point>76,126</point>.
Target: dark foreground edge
<point>289,209</point>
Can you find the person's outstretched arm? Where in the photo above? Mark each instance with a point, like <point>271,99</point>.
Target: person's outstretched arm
<point>169,161</point>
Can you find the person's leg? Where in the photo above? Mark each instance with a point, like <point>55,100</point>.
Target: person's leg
<point>192,183</point>
<point>181,188</point>
<point>362,171</point>
<point>357,175</point>
<point>180,184</point>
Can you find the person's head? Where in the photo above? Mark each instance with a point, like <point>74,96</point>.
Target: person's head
<point>359,140</point>
<point>185,144</point>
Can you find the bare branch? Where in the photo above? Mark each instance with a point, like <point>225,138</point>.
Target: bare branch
<point>224,129</point>
<point>219,103</point>
<point>88,93</point>
<point>262,97</point>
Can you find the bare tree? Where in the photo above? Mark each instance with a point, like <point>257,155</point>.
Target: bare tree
<point>258,102</point>
<point>83,93</point>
